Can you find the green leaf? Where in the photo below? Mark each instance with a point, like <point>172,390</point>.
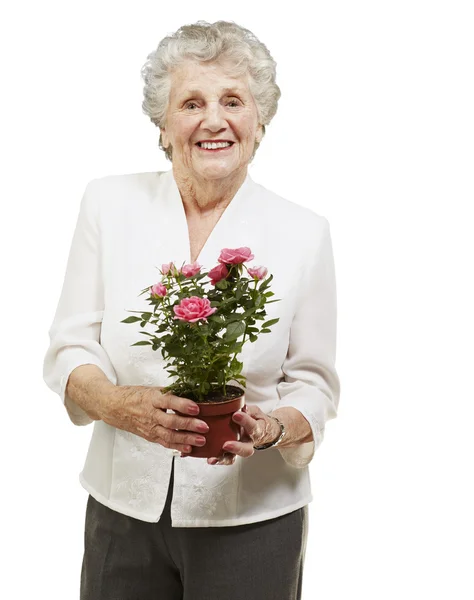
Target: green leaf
<point>235,317</point>
<point>271,322</point>
<point>265,283</point>
<point>236,347</point>
<point>234,330</point>
<point>175,349</point>
<point>236,366</point>
<point>131,320</point>
<point>144,343</point>
<point>265,331</point>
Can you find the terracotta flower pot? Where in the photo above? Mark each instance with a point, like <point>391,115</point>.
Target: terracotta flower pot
<point>218,415</point>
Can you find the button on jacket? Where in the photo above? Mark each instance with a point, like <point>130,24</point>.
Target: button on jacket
<point>128,227</point>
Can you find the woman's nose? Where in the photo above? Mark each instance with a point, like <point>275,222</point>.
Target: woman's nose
<point>214,116</point>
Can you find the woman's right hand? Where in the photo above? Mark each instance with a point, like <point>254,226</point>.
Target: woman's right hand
<point>142,411</point>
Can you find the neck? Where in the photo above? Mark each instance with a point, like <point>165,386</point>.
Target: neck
<point>205,197</point>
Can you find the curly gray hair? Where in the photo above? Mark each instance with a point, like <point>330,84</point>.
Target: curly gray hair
<point>210,42</point>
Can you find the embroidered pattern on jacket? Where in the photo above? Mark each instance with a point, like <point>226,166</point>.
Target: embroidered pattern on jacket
<point>137,359</point>
<point>139,467</point>
<point>209,499</point>
<point>208,490</point>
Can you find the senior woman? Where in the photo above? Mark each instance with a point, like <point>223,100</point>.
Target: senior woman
<point>160,524</point>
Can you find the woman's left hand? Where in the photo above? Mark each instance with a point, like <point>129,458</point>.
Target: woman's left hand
<point>256,428</point>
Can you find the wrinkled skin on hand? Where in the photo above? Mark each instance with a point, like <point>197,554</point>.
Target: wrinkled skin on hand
<point>256,428</point>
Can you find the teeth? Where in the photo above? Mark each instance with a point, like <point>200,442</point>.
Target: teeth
<point>214,145</point>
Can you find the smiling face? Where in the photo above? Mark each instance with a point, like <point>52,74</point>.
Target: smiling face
<point>208,103</point>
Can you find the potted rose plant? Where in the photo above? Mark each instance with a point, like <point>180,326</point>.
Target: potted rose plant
<point>201,328</point>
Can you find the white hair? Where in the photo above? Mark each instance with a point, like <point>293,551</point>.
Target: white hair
<point>222,41</point>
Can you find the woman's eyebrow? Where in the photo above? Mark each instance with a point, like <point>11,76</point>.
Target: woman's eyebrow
<point>195,92</point>
<point>233,90</point>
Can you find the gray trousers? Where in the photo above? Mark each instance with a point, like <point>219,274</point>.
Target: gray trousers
<point>129,559</point>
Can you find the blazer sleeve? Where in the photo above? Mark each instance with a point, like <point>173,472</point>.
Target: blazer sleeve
<point>311,383</point>
<point>75,331</point>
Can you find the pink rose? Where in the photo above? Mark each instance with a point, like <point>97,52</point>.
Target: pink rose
<point>191,270</point>
<point>194,308</point>
<point>218,273</point>
<point>258,272</point>
<point>167,267</point>
<point>158,290</point>
<point>235,256</point>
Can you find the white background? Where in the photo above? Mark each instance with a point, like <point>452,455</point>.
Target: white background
<point>375,131</point>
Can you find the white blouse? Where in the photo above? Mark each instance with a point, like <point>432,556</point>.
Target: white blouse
<point>128,226</point>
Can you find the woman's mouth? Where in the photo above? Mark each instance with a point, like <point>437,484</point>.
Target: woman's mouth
<point>219,147</point>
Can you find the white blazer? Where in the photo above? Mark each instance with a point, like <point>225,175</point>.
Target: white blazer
<point>128,226</point>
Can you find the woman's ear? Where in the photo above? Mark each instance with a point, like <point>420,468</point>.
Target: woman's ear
<point>164,137</point>
<point>259,134</point>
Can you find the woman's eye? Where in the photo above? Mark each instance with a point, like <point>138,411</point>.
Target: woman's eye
<point>192,105</point>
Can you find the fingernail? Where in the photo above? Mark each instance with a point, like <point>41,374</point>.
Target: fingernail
<point>213,461</point>
<point>193,410</point>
